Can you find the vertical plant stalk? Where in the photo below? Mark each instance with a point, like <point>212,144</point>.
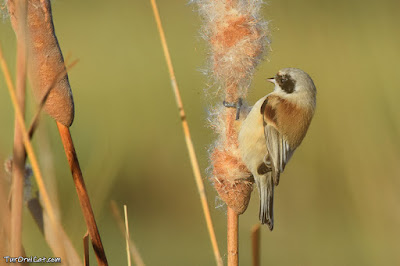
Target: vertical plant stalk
<point>137,258</point>
<point>232,216</point>
<point>86,249</point>
<point>28,145</point>
<point>233,237</point>
<point>45,62</point>
<point>188,138</point>
<point>46,158</point>
<point>54,234</point>
<point>5,219</point>
<point>18,171</point>
<point>255,245</point>
<point>128,254</point>
<point>83,196</point>
<point>56,238</point>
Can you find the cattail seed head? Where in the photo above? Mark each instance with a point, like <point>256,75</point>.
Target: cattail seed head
<point>238,39</point>
<point>45,60</point>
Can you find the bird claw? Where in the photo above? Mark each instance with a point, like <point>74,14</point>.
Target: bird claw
<point>236,105</point>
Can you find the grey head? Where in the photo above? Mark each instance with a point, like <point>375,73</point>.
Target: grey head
<point>294,82</point>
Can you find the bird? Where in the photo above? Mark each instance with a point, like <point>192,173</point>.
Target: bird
<point>273,129</point>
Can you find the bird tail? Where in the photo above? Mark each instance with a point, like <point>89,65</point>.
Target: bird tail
<point>265,186</point>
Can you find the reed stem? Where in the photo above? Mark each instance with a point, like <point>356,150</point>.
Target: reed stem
<point>233,237</point>
<point>86,249</point>
<point>28,145</point>
<point>255,245</point>
<point>18,171</point>
<point>188,138</point>
<point>137,258</point>
<point>128,254</point>
<point>82,193</point>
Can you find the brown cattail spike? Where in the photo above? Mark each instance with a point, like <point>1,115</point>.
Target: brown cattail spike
<point>45,60</point>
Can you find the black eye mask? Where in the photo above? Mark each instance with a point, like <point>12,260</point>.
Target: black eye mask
<point>286,83</point>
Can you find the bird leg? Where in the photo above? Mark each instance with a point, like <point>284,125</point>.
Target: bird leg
<point>236,105</point>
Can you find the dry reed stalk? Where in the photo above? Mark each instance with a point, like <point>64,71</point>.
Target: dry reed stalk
<point>35,31</point>
<point>255,245</point>
<point>42,221</point>
<point>137,258</point>
<point>18,172</point>
<point>5,219</point>
<point>45,61</point>
<point>56,237</point>
<point>57,245</point>
<point>72,257</point>
<point>128,254</point>
<point>86,249</point>
<point>83,196</point>
<point>46,159</point>
<point>188,138</point>
<point>28,145</point>
<point>41,218</point>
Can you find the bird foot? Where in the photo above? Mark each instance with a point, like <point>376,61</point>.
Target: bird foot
<point>236,105</point>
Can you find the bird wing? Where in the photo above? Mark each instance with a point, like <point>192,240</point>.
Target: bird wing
<point>279,151</point>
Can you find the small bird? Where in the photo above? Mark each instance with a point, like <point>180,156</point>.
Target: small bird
<point>273,129</point>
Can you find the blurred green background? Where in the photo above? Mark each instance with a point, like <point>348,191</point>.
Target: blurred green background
<point>338,200</point>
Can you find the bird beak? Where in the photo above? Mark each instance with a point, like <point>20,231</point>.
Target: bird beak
<point>272,80</point>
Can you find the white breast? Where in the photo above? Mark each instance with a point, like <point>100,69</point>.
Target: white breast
<point>252,142</point>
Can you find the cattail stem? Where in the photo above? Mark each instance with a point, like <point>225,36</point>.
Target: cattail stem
<point>82,193</point>
<point>255,245</point>
<point>18,172</point>
<point>86,249</point>
<point>232,217</point>
<point>233,237</point>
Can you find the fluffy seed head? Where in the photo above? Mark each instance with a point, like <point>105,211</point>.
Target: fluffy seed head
<point>237,38</point>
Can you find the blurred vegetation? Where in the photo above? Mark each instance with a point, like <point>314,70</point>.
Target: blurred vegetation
<point>337,203</point>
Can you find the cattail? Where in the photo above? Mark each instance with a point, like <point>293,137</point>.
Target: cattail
<point>238,40</point>
<point>45,60</point>
<point>45,64</point>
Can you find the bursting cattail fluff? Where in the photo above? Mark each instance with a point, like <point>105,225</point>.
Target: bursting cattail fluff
<point>238,39</point>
